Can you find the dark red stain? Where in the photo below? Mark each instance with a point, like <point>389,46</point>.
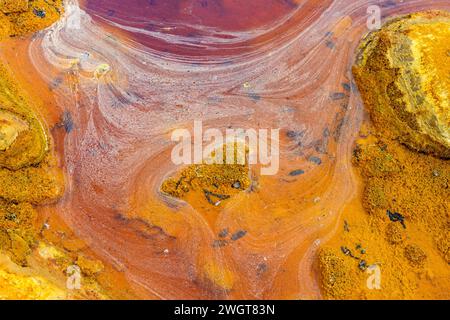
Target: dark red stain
<point>205,27</point>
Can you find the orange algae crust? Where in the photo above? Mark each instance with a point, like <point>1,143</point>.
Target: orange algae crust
<point>402,73</point>
<point>21,17</point>
<point>402,229</point>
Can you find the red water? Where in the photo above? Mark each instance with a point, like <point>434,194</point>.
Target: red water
<point>205,27</point>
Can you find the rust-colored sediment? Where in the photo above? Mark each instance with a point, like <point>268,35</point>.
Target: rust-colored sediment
<point>405,231</point>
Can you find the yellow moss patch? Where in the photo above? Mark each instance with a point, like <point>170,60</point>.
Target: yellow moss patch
<point>338,277</point>
<point>17,234</point>
<point>41,184</point>
<point>217,182</point>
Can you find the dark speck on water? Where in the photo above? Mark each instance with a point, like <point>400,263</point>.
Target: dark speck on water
<point>254,96</point>
<point>388,4</point>
<point>223,233</point>
<point>362,265</point>
<point>337,95</point>
<point>330,44</point>
<point>347,86</point>
<point>67,121</point>
<point>296,172</point>
<point>294,134</point>
<point>261,268</point>
<point>56,83</point>
<point>316,160</point>
<point>238,235</point>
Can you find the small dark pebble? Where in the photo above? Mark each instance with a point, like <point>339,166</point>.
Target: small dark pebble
<point>346,226</point>
<point>346,251</point>
<point>316,160</point>
<point>337,95</point>
<point>238,235</point>
<point>330,44</point>
<point>236,185</point>
<point>346,86</point>
<point>296,172</point>
<point>39,13</point>
<point>223,233</point>
<point>362,265</point>
<point>395,216</point>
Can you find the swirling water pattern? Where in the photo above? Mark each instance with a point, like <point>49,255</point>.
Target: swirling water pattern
<point>129,79</point>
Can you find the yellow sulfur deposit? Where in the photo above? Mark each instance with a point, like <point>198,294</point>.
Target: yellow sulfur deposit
<point>403,76</point>
<point>400,237</point>
<point>23,140</point>
<point>14,286</point>
<point>216,182</point>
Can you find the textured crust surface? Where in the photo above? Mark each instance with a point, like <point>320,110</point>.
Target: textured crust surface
<point>402,74</point>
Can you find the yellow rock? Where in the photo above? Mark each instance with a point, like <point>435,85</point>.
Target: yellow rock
<point>403,74</point>
<point>10,128</point>
<point>20,287</point>
<point>23,139</point>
